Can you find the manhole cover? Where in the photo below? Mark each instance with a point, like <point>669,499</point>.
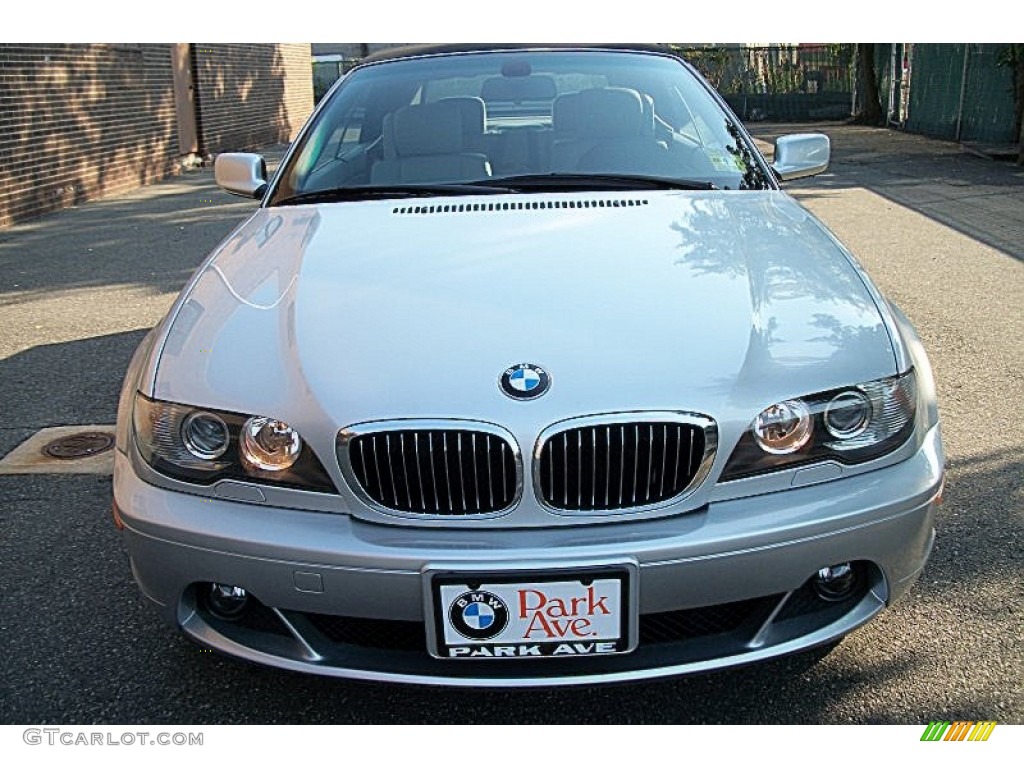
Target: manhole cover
<point>80,445</point>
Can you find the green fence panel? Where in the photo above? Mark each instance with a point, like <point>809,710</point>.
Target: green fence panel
<point>935,89</point>
<point>790,107</point>
<point>935,86</point>
<point>988,103</point>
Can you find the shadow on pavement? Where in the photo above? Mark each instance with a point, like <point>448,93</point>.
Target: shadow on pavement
<point>981,198</point>
<point>69,383</point>
<point>154,237</point>
<point>52,385</point>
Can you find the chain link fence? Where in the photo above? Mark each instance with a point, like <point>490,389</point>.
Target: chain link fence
<point>780,82</point>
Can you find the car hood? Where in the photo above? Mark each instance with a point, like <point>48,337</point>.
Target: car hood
<point>713,302</point>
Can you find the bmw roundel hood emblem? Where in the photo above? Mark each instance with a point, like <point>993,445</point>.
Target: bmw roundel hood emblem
<point>525,381</point>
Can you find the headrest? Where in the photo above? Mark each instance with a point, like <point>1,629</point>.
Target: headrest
<point>530,88</point>
<point>428,129</point>
<point>565,113</point>
<point>608,113</point>
<point>472,112</point>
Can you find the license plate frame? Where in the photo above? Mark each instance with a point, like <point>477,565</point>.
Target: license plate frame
<point>444,587</point>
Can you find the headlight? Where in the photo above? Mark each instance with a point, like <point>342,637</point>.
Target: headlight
<point>783,427</point>
<point>269,444</point>
<point>205,435</point>
<point>849,425</point>
<point>199,445</point>
<point>847,414</point>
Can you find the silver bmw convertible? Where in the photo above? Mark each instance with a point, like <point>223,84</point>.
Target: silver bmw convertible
<point>526,372</point>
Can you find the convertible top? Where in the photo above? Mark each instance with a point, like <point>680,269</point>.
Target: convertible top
<point>410,51</point>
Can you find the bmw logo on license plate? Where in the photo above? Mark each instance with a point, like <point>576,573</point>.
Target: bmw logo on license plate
<point>478,615</point>
<point>525,381</point>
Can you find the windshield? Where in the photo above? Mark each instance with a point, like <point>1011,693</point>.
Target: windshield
<point>522,117</point>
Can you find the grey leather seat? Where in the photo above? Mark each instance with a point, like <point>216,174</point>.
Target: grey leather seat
<point>473,114</point>
<point>606,130</point>
<point>431,143</point>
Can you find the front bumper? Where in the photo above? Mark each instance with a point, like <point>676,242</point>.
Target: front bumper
<point>749,559</point>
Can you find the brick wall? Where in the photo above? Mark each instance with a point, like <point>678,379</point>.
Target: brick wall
<point>82,121</point>
<point>251,95</point>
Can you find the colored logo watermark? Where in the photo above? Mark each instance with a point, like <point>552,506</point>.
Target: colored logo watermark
<point>959,730</point>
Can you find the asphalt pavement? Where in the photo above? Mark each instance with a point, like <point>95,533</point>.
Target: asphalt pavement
<point>941,232</point>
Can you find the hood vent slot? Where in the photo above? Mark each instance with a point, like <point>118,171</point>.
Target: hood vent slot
<point>535,205</point>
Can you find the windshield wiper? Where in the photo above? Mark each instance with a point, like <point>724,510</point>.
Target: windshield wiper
<point>496,186</point>
<point>578,181</point>
<point>379,192</point>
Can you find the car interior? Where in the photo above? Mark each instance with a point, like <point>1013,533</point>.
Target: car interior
<point>419,134</point>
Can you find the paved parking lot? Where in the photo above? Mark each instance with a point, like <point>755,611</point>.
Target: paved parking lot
<point>940,231</point>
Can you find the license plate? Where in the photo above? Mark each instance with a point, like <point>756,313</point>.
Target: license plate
<point>531,615</point>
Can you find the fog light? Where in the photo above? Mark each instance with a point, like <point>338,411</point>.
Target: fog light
<point>226,601</point>
<point>835,583</point>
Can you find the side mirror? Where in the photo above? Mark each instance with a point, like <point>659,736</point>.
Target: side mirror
<point>241,173</point>
<point>801,154</point>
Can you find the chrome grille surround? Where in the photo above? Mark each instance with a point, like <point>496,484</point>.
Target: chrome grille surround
<point>409,485</point>
<point>635,425</point>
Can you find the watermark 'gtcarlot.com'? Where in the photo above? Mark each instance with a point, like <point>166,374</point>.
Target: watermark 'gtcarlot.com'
<point>76,738</point>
